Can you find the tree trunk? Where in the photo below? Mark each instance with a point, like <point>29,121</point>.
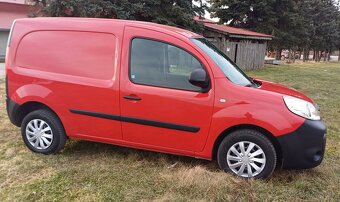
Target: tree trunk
<point>278,54</point>
<point>339,55</point>
<point>303,55</point>
<point>325,56</point>
<point>318,56</point>
<point>314,54</point>
<point>306,54</point>
<point>329,56</point>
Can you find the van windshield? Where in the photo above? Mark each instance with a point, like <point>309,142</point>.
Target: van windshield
<point>229,68</point>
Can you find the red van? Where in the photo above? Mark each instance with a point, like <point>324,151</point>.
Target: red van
<point>153,87</point>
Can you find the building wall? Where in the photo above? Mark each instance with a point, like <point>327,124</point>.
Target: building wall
<point>251,54</point>
<point>9,11</point>
<point>246,53</point>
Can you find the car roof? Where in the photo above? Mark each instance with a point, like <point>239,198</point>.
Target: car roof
<point>76,21</point>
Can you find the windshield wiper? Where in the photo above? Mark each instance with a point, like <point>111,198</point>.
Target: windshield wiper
<point>255,83</point>
<point>250,85</point>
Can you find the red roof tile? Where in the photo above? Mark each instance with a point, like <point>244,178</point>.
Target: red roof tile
<point>228,29</point>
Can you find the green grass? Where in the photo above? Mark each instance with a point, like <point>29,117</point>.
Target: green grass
<point>86,171</point>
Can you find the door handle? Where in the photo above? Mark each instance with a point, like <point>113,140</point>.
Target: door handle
<point>129,97</point>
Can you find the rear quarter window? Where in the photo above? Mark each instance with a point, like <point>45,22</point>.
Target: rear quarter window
<point>84,54</point>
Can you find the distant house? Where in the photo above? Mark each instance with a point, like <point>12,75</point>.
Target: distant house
<point>9,11</point>
<point>246,48</point>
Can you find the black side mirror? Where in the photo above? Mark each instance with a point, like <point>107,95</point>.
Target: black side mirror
<point>200,78</point>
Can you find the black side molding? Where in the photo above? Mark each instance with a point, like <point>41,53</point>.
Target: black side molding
<point>147,122</point>
<point>96,114</point>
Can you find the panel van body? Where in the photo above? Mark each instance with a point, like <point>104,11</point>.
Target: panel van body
<point>153,87</point>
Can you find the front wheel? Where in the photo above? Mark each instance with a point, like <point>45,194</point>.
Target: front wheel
<point>248,154</point>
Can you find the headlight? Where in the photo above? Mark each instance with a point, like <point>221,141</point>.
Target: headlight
<point>302,108</point>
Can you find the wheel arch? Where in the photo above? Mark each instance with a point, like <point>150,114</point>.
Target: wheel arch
<point>26,108</point>
<point>265,132</point>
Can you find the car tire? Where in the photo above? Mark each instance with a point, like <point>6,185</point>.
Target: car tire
<point>43,132</point>
<point>247,154</point>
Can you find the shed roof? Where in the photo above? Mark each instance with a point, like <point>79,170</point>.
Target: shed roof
<point>232,31</point>
<point>15,1</point>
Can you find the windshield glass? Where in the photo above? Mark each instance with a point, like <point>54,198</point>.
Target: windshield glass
<point>229,68</point>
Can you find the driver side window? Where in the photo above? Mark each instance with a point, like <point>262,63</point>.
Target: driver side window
<point>161,64</point>
<point>181,62</point>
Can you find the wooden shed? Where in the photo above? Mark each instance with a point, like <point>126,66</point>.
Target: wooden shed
<point>246,48</point>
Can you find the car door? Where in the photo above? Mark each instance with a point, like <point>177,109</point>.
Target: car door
<point>159,107</point>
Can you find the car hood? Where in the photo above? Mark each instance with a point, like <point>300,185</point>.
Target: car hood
<point>284,90</point>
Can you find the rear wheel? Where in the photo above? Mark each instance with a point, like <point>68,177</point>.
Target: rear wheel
<point>248,154</point>
<point>43,132</point>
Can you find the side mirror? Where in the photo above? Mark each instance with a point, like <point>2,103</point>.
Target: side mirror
<point>200,78</point>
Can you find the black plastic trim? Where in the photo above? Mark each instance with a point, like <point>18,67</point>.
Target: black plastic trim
<point>160,124</point>
<point>304,147</point>
<point>13,110</point>
<point>132,98</point>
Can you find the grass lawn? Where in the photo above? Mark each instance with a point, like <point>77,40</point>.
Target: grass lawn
<point>87,171</point>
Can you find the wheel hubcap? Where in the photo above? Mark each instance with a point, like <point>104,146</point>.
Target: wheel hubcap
<point>246,159</point>
<point>39,134</point>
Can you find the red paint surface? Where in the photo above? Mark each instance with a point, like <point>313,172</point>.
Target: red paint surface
<point>263,107</point>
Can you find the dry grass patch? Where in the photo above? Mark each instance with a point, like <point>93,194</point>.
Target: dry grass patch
<point>87,171</point>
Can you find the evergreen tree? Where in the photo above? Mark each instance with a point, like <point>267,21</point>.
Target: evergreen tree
<point>276,17</point>
<point>323,30</point>
<point>297,25</point>
<point>254,15</point>
<point>171,12</point>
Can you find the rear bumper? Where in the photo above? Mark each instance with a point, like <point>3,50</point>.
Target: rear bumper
<point>12,108</point>
<point>13,111</point>
<point>305,147</point>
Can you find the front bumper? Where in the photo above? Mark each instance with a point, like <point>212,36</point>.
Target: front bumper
<point>305,147</point>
